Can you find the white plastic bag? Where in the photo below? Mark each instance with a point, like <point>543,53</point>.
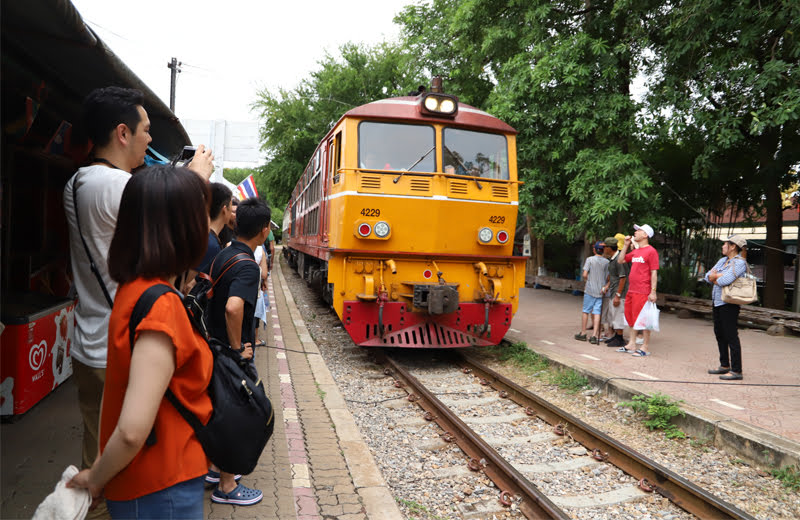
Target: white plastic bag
<point>648,318</point>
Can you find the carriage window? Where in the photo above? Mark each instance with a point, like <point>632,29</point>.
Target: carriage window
<point>475,153</point>
<point>390,146</point>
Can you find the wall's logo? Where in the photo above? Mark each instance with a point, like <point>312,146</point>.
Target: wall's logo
<point>37,355</point>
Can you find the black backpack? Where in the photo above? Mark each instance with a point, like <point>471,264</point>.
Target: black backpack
<point>242,420</point>
<point>196,301</point>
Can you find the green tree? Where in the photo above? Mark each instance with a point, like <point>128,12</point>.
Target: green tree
<point>726,78</point>
<point>294,121</point>
<point>560,74</point>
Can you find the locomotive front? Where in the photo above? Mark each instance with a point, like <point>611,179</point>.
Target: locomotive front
<point>408,226</point>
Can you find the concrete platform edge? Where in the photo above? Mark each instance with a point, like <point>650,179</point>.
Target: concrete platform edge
<point>755,446</point>
<point>367,478</point>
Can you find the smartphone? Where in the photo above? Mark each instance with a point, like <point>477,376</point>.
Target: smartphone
<point>188,153</point>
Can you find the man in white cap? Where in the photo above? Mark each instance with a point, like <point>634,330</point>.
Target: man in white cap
<point>642,282</point>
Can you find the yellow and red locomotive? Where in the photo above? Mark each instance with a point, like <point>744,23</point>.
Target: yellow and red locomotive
<point>404,219</point>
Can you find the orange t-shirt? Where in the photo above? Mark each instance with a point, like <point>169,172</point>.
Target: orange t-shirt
<point>177,455</point>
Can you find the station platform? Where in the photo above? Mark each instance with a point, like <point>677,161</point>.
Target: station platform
<point>315,466</point>
<point>758,418</point>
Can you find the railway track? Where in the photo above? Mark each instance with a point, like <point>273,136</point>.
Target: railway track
<point>542,445</point>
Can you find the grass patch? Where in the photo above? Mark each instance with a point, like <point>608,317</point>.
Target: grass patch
<point>320,392</point>
<point>789,476</point>
<point>660,410</point>
<point>521,356</point>
<point>569,380</point>
<point>415,508</point>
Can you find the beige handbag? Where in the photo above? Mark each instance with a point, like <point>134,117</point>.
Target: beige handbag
<point>741,291</point>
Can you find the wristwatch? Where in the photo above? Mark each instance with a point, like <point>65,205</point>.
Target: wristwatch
<point>619,295</point>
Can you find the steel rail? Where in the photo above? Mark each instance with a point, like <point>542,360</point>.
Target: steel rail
<point>534,503</point>
<point>669,484</point>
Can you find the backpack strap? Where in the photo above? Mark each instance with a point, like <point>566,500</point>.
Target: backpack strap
<point>140,311</point>
<point>242,257</point>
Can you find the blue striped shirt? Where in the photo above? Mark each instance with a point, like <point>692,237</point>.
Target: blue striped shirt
<point>731,272</point>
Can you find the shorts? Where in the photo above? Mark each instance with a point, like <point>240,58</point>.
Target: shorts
<point>634,305</point>
<point>592,305</point>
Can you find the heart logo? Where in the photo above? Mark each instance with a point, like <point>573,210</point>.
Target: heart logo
<point>37,355</point>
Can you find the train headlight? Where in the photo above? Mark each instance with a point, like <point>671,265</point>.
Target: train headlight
<point>382,229</point>
<point>432,104</point>
<point>438,104</point>
<point>447,106</point>
<point>364,229</point>
<point>485,235</point>
<point>502,236</point>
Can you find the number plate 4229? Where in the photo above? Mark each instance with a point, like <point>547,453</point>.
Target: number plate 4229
<point>497,219</point>
<point>371,212</point>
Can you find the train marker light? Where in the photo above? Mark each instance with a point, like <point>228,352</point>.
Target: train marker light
<point>382,229</point>
<point>364,229</point>
<point>485,235</point>
<point>502,237</point>
<point>427,274</point>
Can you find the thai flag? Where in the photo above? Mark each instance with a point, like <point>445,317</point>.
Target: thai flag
<point>247,188</point>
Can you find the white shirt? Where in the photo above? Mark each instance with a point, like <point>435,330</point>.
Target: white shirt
<point>99,194</point>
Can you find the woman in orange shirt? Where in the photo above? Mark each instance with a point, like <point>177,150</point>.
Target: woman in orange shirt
<point>162,231</point>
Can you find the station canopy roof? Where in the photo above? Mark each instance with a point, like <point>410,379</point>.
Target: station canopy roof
<point>52,56</point>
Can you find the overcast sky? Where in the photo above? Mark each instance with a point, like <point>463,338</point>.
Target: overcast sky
<point>232,48</point>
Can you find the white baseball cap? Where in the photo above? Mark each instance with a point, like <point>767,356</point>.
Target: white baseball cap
<point>646,228</point>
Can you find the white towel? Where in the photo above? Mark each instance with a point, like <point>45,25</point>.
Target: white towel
<point>64,503</point>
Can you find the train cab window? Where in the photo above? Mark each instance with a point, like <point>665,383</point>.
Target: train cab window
<point>479,154</point>
<point>399,147</point>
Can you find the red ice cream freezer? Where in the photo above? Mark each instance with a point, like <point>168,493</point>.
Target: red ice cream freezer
<point>34,348</point>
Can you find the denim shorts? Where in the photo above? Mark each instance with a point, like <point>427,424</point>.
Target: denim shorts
<point>592,305</point>
<point>180,501</point>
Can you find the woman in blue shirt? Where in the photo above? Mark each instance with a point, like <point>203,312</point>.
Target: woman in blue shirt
<point>726,315</point>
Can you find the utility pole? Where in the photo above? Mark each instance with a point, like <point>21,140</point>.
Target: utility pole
<point>175,66</point>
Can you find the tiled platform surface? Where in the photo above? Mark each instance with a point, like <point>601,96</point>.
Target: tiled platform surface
<point>752,415</point>
<point>315,466</point>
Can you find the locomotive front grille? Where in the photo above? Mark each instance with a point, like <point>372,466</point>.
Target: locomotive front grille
<point>423,185</point>
<point>370,182</point>
<point>499,191</point>
<point>458,187</point>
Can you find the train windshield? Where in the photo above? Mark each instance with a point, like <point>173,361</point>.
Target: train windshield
<point>475,153</point>
<point>391,146</point>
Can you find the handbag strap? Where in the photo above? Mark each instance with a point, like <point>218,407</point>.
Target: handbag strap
<point>92,265</point>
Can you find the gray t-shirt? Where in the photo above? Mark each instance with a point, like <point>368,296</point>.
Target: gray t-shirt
<point>99,193</point>
<point>597,267</point>
<point>616,271</point>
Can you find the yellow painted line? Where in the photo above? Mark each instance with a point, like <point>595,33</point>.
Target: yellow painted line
<point>590,357</point>
<point>646,376</point>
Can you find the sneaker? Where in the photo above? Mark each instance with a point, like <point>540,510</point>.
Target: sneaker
<point>732,376</point>
<point>719,370</point>
<point>212,477</point>
<point>580,337</point>
<point>640,341</point>
<point>240,496</point>
<point>593,340</point>
<point>616,341</point>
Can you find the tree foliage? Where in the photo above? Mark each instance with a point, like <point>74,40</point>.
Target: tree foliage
<point>294,121</point>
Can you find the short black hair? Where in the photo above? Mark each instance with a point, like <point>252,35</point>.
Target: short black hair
<point>105,108</point>
<point>150,242</point>
<point>220,197</point>
<point>252,215</point>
